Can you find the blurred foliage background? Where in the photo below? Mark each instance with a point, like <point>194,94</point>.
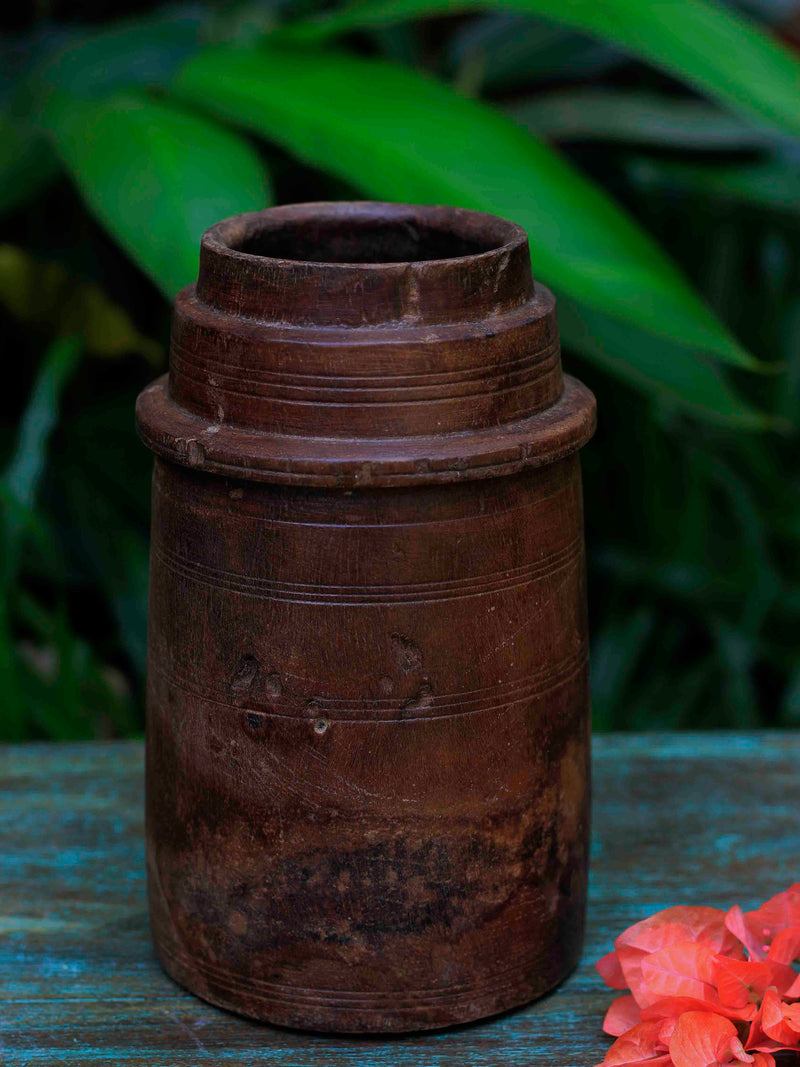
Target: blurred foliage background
<point>652,150</point>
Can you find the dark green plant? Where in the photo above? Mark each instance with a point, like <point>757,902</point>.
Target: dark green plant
<point>666,221</point>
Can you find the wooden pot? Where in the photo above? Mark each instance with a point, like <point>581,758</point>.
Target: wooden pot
<point>367,728</point>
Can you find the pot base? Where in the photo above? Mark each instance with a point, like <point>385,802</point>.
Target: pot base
<point>339,1012</point>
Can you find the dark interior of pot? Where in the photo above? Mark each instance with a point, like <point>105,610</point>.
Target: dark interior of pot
<point>353,240</point>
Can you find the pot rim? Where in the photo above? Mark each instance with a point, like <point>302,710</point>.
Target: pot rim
<point>492,278</point>
<point>499,234</point>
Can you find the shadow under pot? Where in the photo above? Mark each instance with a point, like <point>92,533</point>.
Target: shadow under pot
<point>367,723</point>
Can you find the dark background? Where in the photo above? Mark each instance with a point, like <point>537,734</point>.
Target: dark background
<point>692,502</point>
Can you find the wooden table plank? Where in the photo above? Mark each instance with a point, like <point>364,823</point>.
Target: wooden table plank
<point>691,818</point>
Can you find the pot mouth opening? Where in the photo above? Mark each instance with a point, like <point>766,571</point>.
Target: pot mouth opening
<point>357,241</point>
<point>364,234</point>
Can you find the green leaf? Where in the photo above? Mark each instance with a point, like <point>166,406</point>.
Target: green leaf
<point>411,138</point>
<point>772,183</point>
<point>92,63</point>
<point>790,707</point>
<point>712,48</point>
<point>19,484</point>
<point>69,692</point>
<point>637,118</point>
<point>511,49</point>
<point>39,419</point>
<point>660,367</point>
<point>156,177</point>
<point>27,162</point>
<point>45,296</point>
<point>115,554</point>
<point>617,651</point>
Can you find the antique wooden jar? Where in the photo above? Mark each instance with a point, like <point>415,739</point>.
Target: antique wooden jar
<point>367,726</point>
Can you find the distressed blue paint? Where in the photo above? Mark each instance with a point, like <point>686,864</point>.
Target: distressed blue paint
<point>691,818</point>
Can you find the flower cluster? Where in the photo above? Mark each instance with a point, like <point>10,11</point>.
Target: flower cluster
<point>706,987</point>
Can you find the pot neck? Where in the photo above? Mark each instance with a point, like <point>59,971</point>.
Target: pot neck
<point>364,264</point>
<point>349,344</point>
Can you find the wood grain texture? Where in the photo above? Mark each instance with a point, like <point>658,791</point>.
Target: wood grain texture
<point>692,818</point>
<point>368,704</point>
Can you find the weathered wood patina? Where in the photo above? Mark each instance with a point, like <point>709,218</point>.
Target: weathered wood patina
<point>368,705</point>
<point>682,819</point>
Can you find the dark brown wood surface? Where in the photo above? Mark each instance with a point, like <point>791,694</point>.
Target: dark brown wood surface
<point>368,707</point>
<point>708,818</point>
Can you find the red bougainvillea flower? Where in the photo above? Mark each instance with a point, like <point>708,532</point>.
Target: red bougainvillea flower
<point>642,1046</point>
<point>610,970</point>
<point>777,1025</point>
<point>622,968</point>
<point>683,970</point>
<point>707,988</point>
<point>742,984</point>
<point>672,1007</point>
<point>703,1039</point>
<point>623,1014</point>
<point>779,912</point>
<point>781,1021</point>
<point>785,947</point>
<point>757,929</point>
<point>754,941</point>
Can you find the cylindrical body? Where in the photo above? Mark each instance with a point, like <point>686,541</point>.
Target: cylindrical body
<point>367,735</point>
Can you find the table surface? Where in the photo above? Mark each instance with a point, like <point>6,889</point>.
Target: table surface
<point>678,819</point>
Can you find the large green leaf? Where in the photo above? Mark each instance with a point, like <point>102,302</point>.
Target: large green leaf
<point>772,183</point>
<point>710,46</point>
<point>27,161</point>
<point>638,118</point>
<point>656,366</point>
<point>91,62</point>
<point>508,49</point>
<point>98,501</point>
<point>156,177</point>
<point>18,487</point>
<point>24,471</point>
<point>399,135</point>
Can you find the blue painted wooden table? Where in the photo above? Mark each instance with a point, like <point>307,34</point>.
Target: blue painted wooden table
<point>693,818</point>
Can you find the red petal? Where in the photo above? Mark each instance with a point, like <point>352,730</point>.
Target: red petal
<point>639,1046</point>
<point>780,1021</point>
<point>672,927</point>
<point>771,1014</point>
<point>699,1039</point>
<point>740,983</point>
<point>759,1041</point>
<point>623,1014</point>
<point>777,913</point>
<point>685,970</point>
<point>738,924</point>
<point>785,948</point>
<point>609,969</point>
<point>769,1047</point>
<point>736,1049</point>
<point>668,1028</point>
<point>672,1007</point>
<point>763,1059</point>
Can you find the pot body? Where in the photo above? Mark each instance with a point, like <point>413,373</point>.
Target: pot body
<point>367,735</point>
